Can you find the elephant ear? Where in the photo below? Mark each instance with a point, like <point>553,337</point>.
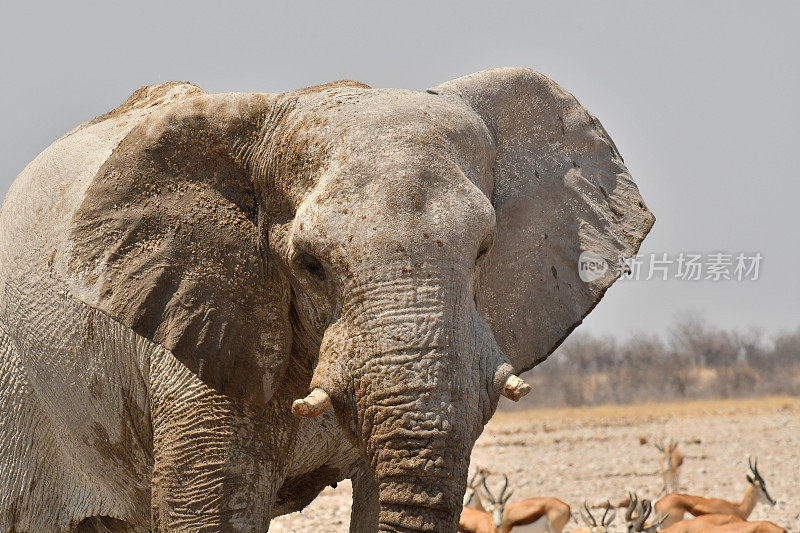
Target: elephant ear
<point>560,188</point>
<point>166,241</point>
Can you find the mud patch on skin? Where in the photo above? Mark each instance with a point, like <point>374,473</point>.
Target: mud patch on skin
<point>169,223</point>
<point>11,514</point>
<point>138,430</point>
<point>89,331</point>
<point>95,387</point>
<point>114,452</point>
<point>121,453</point>
<point>331,85</point>
<point>147,95</point>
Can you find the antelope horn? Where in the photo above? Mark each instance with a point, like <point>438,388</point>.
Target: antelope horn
<point>608,507</point>
<point>312,405</point>
<point>594,522</point>
<point>515,388</point>
<point>503,490</point>
<point>647,507</point>
<point>488,492</point>
<point>632,501</point>
<point>605,522</point>
<point>753,466</point>
<point>475,480</point>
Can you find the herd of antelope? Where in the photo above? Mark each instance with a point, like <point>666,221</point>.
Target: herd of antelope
<point>489,512</point>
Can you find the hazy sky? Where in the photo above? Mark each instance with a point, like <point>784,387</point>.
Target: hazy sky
<point>700,97</point>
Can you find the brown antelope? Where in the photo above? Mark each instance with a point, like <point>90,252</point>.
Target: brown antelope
<point>497,504</point>
<point>701,523</point>
<point>544,514</point>
<point>475,521</point>
<point>763,526</point>
<point>591,524</point>
<point>471,497</point>
<point>679,504</point>
<point>670,461</point>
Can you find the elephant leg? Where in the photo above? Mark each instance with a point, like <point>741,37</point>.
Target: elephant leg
<point>217,462</point>
<point>40,489</point>
<point>365,510</point>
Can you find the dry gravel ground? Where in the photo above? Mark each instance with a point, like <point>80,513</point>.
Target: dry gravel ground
<point>595,454</point>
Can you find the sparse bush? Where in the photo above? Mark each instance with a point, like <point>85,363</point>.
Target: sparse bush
<point>695,360</point>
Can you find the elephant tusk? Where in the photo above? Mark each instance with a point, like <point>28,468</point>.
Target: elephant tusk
<point>312,405</point>
<point>515,388</point>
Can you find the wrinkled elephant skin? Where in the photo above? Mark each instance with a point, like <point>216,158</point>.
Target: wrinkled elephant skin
<point>177,273</point>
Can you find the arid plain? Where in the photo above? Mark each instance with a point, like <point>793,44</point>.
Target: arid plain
<point>596,454</point>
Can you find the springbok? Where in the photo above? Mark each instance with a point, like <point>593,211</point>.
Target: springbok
<point>638,524</point>
<point>763,526</point>
<point>475,521</point>
<point>497,504</point>
<point>544,514</point>
<point>701,523</point>
<point>636,513</point>
<point>472,498</point>
<point>679,504</point>
<point>670,461</point>
<point>591,524</point>
<point>632,512</point>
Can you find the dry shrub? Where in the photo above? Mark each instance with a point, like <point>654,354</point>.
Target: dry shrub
<point>695,360</point>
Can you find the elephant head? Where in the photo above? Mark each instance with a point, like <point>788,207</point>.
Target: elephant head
<point>404,253</point>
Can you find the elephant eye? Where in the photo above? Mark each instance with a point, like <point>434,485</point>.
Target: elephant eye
<point>486,245</point>
<point>312,265</point>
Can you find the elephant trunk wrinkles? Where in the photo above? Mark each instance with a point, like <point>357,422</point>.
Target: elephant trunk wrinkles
<point>418,445</point>
<point>415,357</point>
<point>418,454</point>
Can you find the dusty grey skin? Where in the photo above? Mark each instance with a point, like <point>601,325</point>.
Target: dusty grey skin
<point>174,274</point>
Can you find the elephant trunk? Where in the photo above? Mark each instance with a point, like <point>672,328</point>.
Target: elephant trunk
<point>411,374</point>
<point>414,506</point>
<point>418,446</point>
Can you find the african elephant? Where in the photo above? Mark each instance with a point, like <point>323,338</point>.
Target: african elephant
<point>189,281</point>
